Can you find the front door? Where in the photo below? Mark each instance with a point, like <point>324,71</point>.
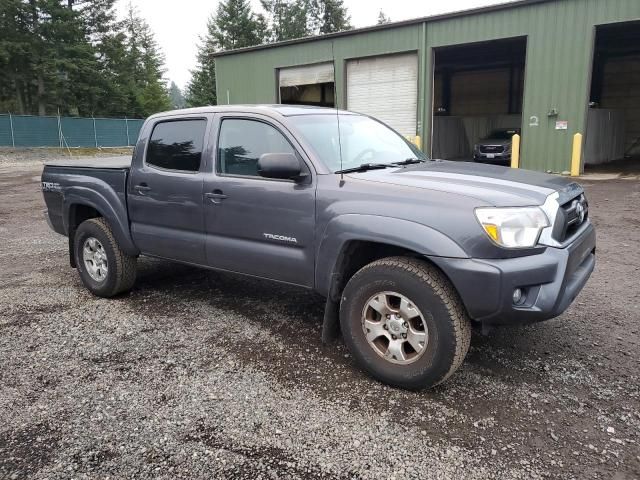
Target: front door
<point>165,192</point>
<point>258,226</point>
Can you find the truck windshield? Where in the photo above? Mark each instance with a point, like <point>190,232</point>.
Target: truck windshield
<point>501,135</point>
<point>363,140</point>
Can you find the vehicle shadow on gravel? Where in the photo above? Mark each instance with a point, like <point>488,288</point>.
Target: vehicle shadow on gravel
<point>293,316</point>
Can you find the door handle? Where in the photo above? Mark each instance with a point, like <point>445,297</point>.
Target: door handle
<point>142,188</point>
<point>216,196</point>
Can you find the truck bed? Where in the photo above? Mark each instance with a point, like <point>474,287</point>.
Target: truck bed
<point>99,183</point>
<point>117,162</point>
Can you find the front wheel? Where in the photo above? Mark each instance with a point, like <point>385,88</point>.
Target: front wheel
<point>103,267</point>
<point>404,323</point>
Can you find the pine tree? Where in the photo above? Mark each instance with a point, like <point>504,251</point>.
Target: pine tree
<point>175,94</point>
<point>45,53</point>
<point>201,90</point>
<point>329,16</point>
<point>73,57</point>
<point>143,68</point>
<point>234,25</point>
<point>105,34</point>
<point>382,18</point>
<point>16,52</point>
<point>288,19</point>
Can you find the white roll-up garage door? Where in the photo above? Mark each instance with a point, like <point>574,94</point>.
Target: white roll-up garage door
<point>386,88</point>
<point>306,75</point>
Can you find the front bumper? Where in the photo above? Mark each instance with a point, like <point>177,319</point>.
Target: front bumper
<point>497,158</point>
<point>550,280</point>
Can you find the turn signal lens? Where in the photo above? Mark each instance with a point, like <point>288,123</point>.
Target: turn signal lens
<point>492,231</point>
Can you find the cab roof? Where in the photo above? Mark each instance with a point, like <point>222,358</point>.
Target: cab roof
<point>271,110</point>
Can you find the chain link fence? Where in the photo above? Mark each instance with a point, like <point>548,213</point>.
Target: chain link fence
<point>67,132</point>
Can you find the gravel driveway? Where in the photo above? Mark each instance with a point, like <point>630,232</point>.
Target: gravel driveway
<point>199,375</point>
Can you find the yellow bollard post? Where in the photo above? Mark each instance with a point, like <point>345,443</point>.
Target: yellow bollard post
<point>417,141</point>
<point>576,155</point>
<point>515,151</point>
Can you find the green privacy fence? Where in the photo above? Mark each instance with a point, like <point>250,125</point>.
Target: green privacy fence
<point>32,131</point>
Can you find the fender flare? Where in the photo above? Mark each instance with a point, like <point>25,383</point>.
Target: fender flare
<point>372,228</point>
<point>110,206</point>
<point>397,232</point>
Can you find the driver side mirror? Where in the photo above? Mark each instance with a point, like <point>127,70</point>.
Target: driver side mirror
<point>283,166</point>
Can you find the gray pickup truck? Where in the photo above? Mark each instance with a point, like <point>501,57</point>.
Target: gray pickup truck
<point>409,252</point>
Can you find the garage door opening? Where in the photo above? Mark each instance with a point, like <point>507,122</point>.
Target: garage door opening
<point>307,85</point>
<point>612,140</point>
<point>477,100</point>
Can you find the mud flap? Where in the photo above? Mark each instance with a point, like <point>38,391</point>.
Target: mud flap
<point>331,322</point>
<point>72,257</point>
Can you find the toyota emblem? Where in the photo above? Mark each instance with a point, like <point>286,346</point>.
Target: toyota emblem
<point>580,211</point>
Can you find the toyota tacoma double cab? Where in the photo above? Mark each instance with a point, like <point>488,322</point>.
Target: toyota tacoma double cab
<point>409,252</point>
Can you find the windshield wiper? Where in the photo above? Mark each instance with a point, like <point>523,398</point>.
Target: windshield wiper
<point>365,167</point>
<point>409,161</point>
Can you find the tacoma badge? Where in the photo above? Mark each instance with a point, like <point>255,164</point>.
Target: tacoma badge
<point>282,238</point>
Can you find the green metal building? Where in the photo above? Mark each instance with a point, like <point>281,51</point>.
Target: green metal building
<point>553,68</point>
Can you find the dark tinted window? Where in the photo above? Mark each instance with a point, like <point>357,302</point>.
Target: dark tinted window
<point>242,142</point>
<point>177,145</point>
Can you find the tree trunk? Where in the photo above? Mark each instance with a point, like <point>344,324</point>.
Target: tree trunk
<point>42,108</point>
<point>19,99</point>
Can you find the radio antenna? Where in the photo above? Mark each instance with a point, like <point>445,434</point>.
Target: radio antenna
<point>335,104</point>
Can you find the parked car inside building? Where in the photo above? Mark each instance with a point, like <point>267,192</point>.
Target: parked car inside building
<point>496,147</point>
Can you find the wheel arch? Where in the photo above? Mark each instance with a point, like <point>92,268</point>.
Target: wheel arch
<point>86,204</point>
<point>352,241</point>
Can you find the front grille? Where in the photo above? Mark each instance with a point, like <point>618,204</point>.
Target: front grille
<point>491,148</point>
<point>571,216</point>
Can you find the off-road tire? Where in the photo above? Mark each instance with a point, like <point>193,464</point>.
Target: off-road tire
<point>121,274</point>
<point>448,324</point>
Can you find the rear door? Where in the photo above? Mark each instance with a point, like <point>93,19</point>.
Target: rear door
<point>258,226</point>
<point>165,191</point>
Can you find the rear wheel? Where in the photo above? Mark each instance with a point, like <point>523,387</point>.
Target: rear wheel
<point>103,267</point>
<point>404,323</point>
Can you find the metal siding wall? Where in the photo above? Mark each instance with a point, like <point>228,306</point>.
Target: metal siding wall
<point>251,77</point>
<point>558,71</point>
<point>621,92</point>
<point>480,92</point>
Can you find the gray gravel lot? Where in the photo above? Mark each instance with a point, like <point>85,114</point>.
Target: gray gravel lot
<point>197,374</point>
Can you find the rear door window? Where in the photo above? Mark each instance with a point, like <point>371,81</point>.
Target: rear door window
<point>177,145</point>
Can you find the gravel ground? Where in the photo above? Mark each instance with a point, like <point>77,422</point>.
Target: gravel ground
<point>200,375</point>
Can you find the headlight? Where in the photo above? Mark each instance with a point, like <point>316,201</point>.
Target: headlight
<point>517,227</point>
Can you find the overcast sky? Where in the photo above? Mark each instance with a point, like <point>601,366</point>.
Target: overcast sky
<point>178,25</point>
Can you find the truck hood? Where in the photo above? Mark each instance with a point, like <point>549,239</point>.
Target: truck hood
<point>490,184</point>
<point>496,141</point>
